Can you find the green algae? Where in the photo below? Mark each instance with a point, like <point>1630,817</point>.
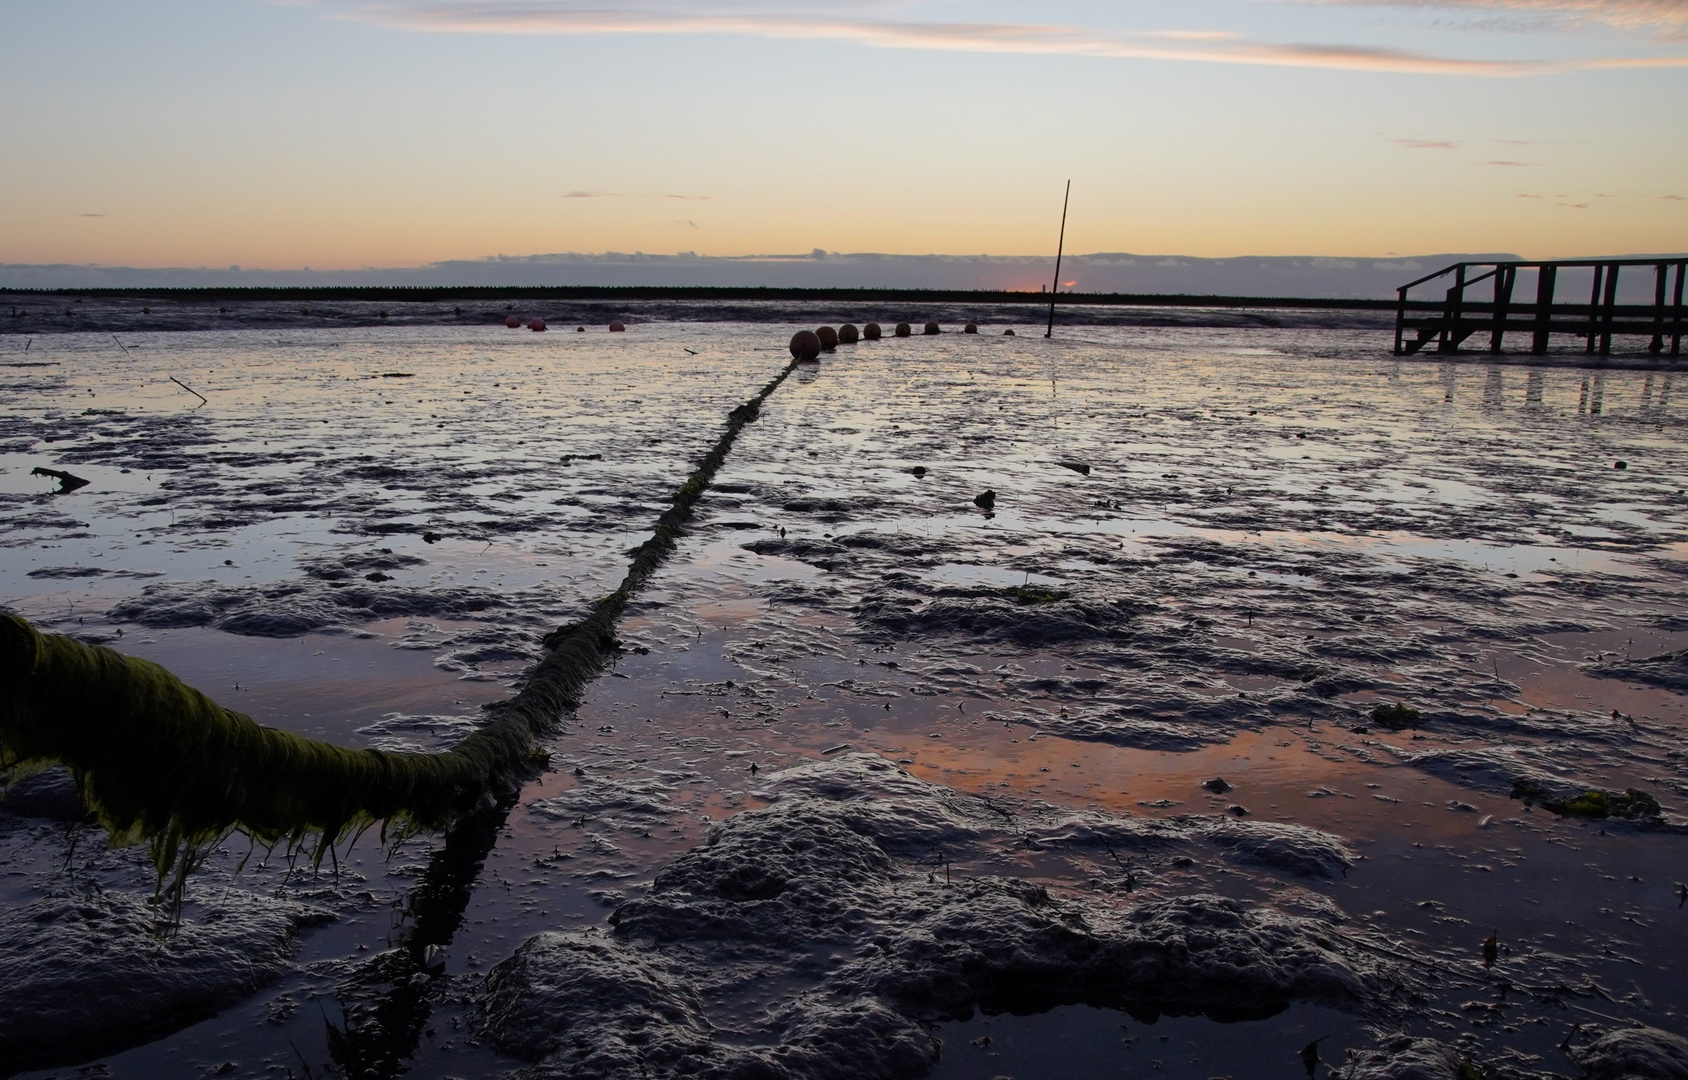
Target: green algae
<point>158,762</point>
<point>1027,595</point>
<point>1596,805</point>
<point>1395,717</point>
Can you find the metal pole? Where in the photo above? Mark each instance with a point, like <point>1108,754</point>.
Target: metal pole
<point>1059,247</point>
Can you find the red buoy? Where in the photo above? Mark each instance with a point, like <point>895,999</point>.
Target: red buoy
<point>805,345</point>
<point>537,325</point>
<point>616,327</point>
<point>512,322</point>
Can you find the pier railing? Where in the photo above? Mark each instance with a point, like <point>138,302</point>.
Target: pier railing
<point>1461,312</point>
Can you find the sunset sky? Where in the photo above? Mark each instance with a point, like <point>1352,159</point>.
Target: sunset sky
<point>345,133</point>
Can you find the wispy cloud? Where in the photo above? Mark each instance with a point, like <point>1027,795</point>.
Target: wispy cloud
<point>846,22</point>
<point>1665,18</point>
<point>630,195</point>
<point>1424,144</point>
<point>1509,164</point>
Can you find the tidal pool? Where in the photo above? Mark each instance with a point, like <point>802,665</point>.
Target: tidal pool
<point>1210,554</point>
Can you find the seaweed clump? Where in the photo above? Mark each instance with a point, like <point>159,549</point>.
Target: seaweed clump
<point>1395,717</point>
<point>1594,804</point>
<point>157,761</point>
<point>1026,595</point>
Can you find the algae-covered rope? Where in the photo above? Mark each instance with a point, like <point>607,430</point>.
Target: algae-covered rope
<point>159,762</point>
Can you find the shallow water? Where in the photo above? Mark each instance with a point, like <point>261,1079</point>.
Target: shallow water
<point>1211,552</point>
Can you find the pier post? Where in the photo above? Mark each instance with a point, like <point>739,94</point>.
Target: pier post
<point>1610,302</point>
<point>1401,315</point>
<point>1546,278</point>
<point>1450,313</point>
<point>1676,331</point>
<point>1594,308</point>
<point>1657,345</point>
<point>1504,276</point>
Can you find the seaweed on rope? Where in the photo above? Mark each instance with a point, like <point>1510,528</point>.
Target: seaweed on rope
<point>158,762</point>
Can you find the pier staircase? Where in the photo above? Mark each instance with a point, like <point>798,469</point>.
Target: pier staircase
<point>1463,311</point>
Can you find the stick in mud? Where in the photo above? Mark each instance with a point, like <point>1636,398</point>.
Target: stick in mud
<point>203,400</point>
<point>1060,246</point>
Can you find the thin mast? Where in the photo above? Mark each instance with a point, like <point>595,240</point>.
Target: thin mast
<point>1059,246</point>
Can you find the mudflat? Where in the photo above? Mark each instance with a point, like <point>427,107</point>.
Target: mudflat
<point>1283,695</point>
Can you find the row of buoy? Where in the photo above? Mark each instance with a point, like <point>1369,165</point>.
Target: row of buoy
<point>809,344</point>
<point>536,325</point>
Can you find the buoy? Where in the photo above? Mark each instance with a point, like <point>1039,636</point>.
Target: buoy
<point>616,327</point>
<point>536,325</point>
<point>902,329</point>
<point>512,322</point>
<point>871,331</point>
<point>847,334</point>
<point>805,345</point>
<point>1008,332</point>
<point>933,328</point>
<point>971,328</point>
<point>829,338</point>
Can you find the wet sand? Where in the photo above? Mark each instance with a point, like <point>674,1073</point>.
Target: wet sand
<point>1277,530</point>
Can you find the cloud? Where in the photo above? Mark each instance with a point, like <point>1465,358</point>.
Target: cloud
<point>847,23</point>
<point>1424,144</point>
<point>630,195</point>
<point>1664,18</point>
<point>1510,164</point>
<point>90,215</point>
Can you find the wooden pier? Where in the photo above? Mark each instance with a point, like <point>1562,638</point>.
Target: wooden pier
<point>1497,310</point>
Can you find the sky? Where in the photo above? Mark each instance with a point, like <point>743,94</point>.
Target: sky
<point>340,134</point>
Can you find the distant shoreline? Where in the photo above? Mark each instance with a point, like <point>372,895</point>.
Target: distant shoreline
<point>439,294</point>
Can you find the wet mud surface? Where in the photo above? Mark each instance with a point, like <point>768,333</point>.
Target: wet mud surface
<point>883,782</point>
<point>48,314</point>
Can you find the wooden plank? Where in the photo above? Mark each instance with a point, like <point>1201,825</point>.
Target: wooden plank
<point>1547,276</point>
